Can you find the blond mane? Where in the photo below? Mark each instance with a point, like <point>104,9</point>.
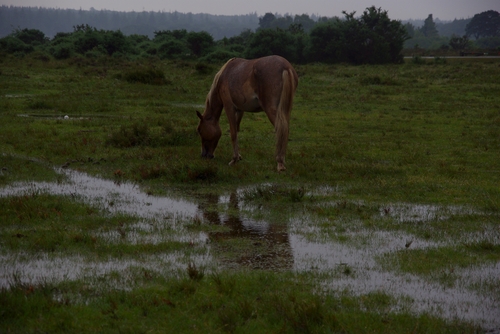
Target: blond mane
<point>216,82</point>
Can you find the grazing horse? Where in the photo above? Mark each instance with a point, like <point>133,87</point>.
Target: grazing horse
<point>265,84</point>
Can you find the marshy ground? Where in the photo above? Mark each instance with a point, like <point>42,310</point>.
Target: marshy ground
<point>387,218</point>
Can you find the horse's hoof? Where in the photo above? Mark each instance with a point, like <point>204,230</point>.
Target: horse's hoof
<point>234,161</point>
<point>281,168</point>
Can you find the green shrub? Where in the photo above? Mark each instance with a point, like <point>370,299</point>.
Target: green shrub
<point>62,51</point>
<point>219,56</point>
<point>150,76</point>
<point>203,68</point>
<point>14,45</point>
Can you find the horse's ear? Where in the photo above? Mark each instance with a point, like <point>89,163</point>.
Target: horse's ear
<point>200,116</point>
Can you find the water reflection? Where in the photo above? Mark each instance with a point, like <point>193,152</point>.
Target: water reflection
<point>260,245</point>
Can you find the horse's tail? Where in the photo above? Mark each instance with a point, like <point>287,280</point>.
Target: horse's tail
<point>283,113</point>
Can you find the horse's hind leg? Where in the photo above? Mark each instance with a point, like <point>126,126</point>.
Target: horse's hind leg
<point>281,138</point>
<point>234,118</point>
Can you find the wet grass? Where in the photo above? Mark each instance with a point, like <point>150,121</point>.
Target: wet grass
<point>408,150</point>
<point>220,302</point>
<point>40,223</point>
<point>445,258</point>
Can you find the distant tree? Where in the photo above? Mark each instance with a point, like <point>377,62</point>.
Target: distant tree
<point>385,37</point>
<point>270,21</point>
<point>239,43</point>
<point>200,43</point>
<point>115,41</point>
<point>173,48</point>
<point>167,34</point>
<point>429,28</point>
<point>327,42</point>
<point>372,38</point>
<point>266,42</point>
<point>455,27</point>
<point>282,22</point>
<point>488,42</point>
<point>410,29</point>
<point>459,43</point>
<point>31,36</point>
<point>305,21</point>
<point>485,24</point>
<point>11,44</point>
<point>296,28</point>
<point>83,27</point>
<point>86,40</point>
<point>266,22</point>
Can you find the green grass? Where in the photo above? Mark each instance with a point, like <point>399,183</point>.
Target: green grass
<point>366,142</point>
<point>219,303</point>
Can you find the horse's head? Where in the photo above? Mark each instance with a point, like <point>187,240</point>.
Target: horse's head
<point>210,133</point>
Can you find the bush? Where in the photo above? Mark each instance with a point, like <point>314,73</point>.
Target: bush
<point>173,49</point>
<point>219,56</point>
<point>30,36</point>
<point>488,42</point>
<point>62,51</point>
<point>371,39</point>
<point>203,68</point>
<point>268,42</point>
<point>96,52</point>
<point>150,76</point>
<point>12,44</point>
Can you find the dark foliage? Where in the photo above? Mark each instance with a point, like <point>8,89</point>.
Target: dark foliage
<point>151,76</point>
<point>485,24</point>
<point>372,38</point>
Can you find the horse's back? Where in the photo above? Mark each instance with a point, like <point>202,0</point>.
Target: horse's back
<point>265,68</point>
<point>256,82</point>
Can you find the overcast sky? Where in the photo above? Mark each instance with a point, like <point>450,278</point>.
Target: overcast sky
<point>398,9</point>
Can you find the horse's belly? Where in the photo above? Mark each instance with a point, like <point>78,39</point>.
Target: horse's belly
<point>247,104</point>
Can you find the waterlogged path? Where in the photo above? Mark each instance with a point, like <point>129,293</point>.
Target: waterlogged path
<point>276,247</point>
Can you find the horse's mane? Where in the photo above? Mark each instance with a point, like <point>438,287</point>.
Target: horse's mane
<point>215,83</point>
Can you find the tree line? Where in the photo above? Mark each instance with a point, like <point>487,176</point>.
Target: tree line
<point>52,21</point>
<point>482,31</point>
<point>371,38</point>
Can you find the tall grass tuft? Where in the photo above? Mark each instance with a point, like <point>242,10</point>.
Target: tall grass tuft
<point>132,135</point>
<point>150,76</point>
<point>195,273</point>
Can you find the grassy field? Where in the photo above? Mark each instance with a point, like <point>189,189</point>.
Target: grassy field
<point>387,218</point>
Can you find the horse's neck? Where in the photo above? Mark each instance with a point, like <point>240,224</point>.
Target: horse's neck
<point>213,107</point>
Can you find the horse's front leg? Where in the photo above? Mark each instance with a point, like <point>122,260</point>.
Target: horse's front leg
<point>234,118</point>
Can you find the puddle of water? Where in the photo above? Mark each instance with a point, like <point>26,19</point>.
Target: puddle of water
<point>365,276</point>
<point>418,213</point>
<point>65,117</point>
<point>18,95</point>
<point>271,242</point>
<point>113,197</point>
<point>47,268</point>
<point>273,247</point>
